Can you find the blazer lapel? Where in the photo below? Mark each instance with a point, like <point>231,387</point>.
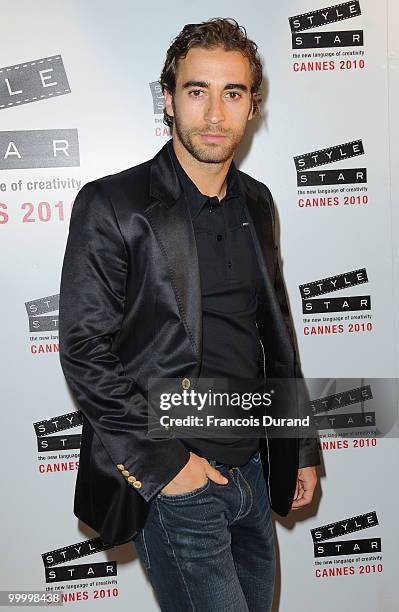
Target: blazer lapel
<point>261,227</point>
<point>173,228</point>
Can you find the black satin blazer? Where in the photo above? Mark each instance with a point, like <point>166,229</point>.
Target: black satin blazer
<point>130,309</point>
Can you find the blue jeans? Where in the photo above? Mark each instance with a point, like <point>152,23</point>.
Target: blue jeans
<point>212,549</point>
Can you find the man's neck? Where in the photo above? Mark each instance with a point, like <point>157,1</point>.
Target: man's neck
<point>209,178</point>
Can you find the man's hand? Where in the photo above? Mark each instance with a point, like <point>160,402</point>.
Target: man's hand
<point>193,476</point>
<point>305,486</point>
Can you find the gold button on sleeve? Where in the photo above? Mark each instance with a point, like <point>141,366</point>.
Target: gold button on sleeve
<point>125,473</point>
<point>120,466</point>
<point>185,383</point>
<point>131,479</point>
<point>137,484</point>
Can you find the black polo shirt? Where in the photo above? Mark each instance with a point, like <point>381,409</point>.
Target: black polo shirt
<point>230,283</point>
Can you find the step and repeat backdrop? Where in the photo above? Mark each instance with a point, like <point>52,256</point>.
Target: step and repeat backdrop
<point>79,99</point>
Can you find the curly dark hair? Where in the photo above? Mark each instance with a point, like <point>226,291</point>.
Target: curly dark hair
<point>215,32</point>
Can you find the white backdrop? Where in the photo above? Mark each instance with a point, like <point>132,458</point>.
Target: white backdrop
<point>78,100</point>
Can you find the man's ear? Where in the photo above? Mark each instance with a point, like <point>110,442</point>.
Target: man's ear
<point>168,96</point>
<point>253,105</point>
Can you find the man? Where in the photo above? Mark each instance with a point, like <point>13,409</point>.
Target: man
<point>171,271</point>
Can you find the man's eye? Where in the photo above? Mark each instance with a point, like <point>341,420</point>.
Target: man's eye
<point>234,93</point>
<point>195,91</point>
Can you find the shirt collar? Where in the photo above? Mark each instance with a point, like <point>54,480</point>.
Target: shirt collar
<point>195,198</point>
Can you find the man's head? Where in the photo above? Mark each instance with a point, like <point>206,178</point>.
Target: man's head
<point>210,81</point>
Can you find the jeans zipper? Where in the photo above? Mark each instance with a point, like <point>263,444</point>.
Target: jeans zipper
<point>267,441</point>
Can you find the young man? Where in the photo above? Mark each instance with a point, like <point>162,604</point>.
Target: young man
<point>171,271</point>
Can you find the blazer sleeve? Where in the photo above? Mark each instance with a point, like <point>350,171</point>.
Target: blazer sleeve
<point>91,311</point>
<point>309,453</point>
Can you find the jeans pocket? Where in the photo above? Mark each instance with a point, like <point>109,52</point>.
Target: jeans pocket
<point>256,457</point>
<point>186,495</point>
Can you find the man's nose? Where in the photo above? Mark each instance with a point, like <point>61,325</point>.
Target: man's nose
<point>214,112</point>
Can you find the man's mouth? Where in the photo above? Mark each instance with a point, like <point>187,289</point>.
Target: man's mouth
<point>215,137</point>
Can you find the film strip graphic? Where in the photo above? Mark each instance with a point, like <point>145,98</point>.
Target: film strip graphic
<point>53,559</point>
<point>324,548</point>
<point>158,101</point>
<point>39,317</point>
<point>47,442</point>
<point>325,16</point>
<point>308,177</point>
<point>324,406</point>
<point>55,148</point>
<point>311,303</point>
<point>33,81</point>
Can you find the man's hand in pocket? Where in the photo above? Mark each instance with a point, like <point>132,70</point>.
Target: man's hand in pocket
<point>193,476</point>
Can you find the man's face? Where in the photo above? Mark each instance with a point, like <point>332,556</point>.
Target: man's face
<point>212,102</point>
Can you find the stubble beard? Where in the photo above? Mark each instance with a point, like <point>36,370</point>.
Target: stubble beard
<point>211,153</point>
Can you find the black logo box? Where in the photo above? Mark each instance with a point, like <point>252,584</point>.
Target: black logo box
<point>58,148</point>
<point>46,444</point>
<point>32,81</point>
<point>73,552</point>
<point>328,304</point>
<point>49,303</point>
<point>324,16</point>
<point>58,443</point>
<point>158,100</point>
<point>46,323</point>
<point>38,321</point>
<point>58,423</point>
<point>75,572</point>
<point>313,178</point>
<point>324,40</point>
<point>84,571</point>
<point>329,155</point>
<point>345,526</point>
<point>350,420</point>
<point>333,283</point>
<point>340,400</point>
<point>347,547</point>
